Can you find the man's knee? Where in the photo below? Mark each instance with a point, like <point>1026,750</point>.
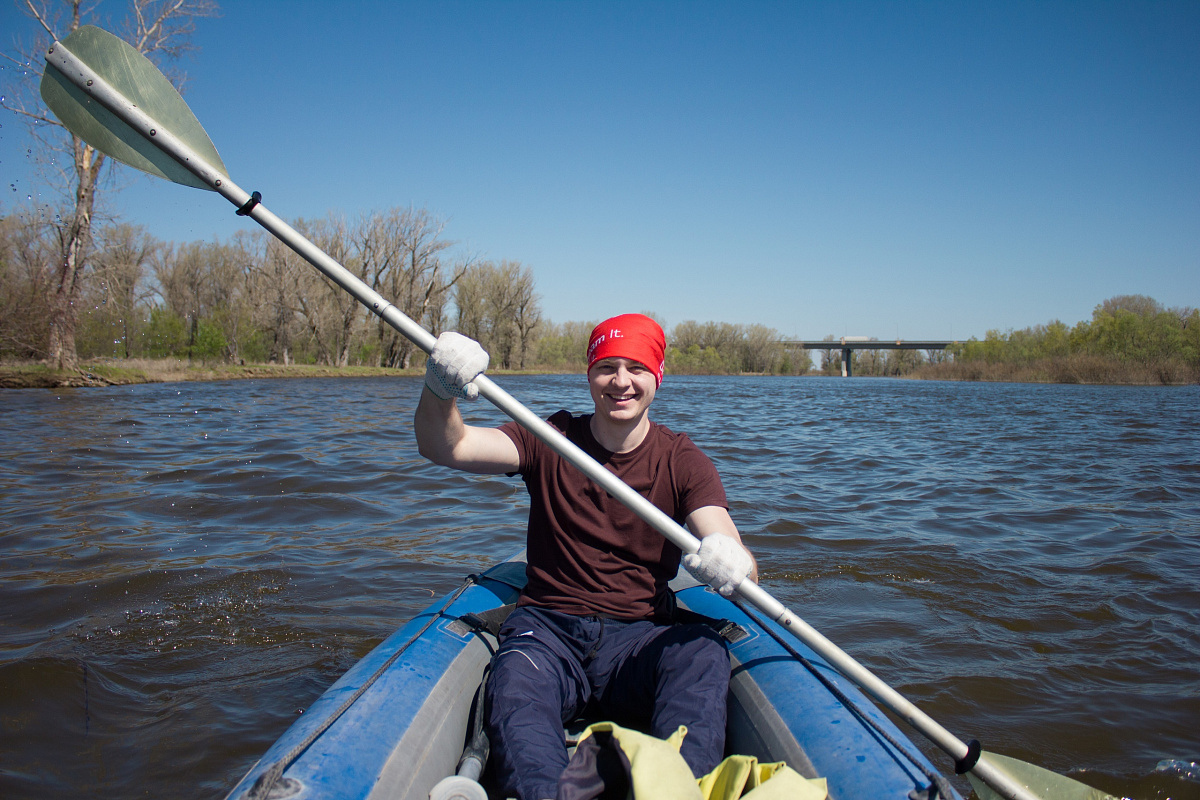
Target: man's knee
<point>525,695</point>
<point>695,649</point>
<point>523,676</point>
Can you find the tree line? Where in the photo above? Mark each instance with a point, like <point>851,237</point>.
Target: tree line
<point>251,299</point>
<point>1129,339</point>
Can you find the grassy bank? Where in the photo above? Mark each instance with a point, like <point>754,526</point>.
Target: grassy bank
<point>108,372</point>
<point>113,372</point>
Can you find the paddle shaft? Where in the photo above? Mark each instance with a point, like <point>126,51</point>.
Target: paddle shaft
<point>79,73</point>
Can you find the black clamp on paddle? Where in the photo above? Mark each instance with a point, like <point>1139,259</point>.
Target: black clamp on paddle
<point>968,762</point>
<point>254,200</point>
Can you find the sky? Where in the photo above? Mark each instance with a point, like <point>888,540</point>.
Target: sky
<point>915,170</point>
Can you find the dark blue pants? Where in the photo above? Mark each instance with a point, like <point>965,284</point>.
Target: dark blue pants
<point>551,666</point>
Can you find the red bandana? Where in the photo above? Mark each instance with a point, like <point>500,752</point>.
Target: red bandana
<point>632,336</point>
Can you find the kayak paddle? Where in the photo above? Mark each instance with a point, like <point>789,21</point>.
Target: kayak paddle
<point>114,98</point>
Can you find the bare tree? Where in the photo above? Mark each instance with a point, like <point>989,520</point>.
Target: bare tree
<point>470,302</point>
<point>501,310</point>
<point>160,29</point>
<point>486,299</point>
<point>26,255</point>
<point>527,310</point>
<point>329,313</point>
<point>275,272</point>
<point>419,279</point>
<point>498,306</point>
<point>123,256</point>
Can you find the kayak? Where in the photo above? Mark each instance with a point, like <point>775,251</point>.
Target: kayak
<point>398,722</point>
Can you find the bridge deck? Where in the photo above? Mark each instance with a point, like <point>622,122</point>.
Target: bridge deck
<point>873,344</point>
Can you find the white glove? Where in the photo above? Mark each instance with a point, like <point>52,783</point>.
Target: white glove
<point>720,562</point>
<point>455,361</point>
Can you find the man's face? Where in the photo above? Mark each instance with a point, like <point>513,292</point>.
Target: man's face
<point>622,389</point>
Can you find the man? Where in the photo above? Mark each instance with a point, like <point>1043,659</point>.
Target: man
<point>592,627</point>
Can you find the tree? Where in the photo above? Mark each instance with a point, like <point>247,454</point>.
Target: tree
<point>762,351</point>
<point>205,283</point>
<point>124,253</point>
<point>166,334</point>
<point>275,272</point>
<point>564,346</point>
<point>527,310</point>
<point>831,357</point>
<point>329,312</point>
<point>498,307</point>
<point>902,362</point>
<point>159,29</point>
<point>26,246</point>
<point>412,273</point>
<point>1138,304</point>
<point>709,347</point>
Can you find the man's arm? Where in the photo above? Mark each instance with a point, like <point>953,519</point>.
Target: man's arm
<point>708,520</point>
<point>442,436</point>
<point>446,440</point>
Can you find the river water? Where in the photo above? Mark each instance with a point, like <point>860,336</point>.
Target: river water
<point>185,567</point>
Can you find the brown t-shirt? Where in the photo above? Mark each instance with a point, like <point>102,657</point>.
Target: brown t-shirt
<point>589,555</point>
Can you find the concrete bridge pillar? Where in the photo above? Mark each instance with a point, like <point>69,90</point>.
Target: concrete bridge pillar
<point>846,368</point>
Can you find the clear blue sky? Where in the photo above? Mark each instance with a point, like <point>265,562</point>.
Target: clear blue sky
<point>912,169</point>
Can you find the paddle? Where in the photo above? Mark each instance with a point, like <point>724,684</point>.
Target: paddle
<point>111,96</point>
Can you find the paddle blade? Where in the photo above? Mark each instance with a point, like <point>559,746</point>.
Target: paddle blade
<point>134,76</point>
<point>1042,782</point>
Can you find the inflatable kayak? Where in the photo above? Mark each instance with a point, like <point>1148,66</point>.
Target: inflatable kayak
<point>403,718</point>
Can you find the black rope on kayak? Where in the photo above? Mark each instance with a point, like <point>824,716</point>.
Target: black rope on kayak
<point>268,779</point>
<point>938,785</point>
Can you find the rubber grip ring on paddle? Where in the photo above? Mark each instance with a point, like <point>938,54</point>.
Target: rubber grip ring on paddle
<point>968,762</point>
<point>245,210</point>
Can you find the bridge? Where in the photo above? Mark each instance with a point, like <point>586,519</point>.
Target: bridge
<point>848,343</point>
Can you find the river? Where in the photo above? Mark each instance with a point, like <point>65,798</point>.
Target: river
<point>185,567</point>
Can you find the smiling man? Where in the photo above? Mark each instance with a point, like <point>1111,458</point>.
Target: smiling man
<point>594,625</point>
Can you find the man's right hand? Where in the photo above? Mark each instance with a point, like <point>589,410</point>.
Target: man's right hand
<point>456,360</point>
<point>721,562</point>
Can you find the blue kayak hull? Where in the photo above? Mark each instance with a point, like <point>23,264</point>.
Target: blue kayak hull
<point>396,723</point>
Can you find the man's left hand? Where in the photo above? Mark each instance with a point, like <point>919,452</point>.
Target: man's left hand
<point>721,562</point>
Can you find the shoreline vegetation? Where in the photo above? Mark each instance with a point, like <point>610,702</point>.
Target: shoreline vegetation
<point>98,372</point>
<point>149,311</point>
<point>141,310</point>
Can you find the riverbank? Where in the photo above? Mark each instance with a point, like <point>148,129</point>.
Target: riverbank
<point>1075,369</point>
<point>133,371</point>
<point>116,372</point>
